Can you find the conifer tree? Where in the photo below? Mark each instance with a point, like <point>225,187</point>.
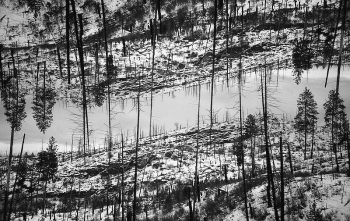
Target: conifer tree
<point>306,118</point>
<point>335,107</point>
<point>251,128</point>
<point>47,160</point>
<point>336,119</point>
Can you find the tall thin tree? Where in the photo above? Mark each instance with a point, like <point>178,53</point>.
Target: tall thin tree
<point>196,185</point>
<point>212,77</point>
<point>306,117</point>
<point>108,77</point>
<point>136,148</point>
<point>14,186</point>
<point>153,27</point>
<point>282,181</point>
<point>241,140</point>
<point>1,72</point>
<point>67,39</point>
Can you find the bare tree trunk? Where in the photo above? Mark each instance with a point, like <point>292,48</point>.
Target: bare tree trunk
<point>44,101</point>
<point>335,35</point>
<point>11,144</point>
<point>153,41</point>
<point>85,117</point>
<point>8,174</point>
<point>190,207</point>
<point>312,140</point>
<point>212,78</point>
<point>282,181</point>
<point>227,33</point>
<point>59,61</point>
<point>253,155</point>
<point>269,202</point>
<point>241,137</point>
<point>81,58</point>
<point>159,16</point>
<point>67,39</point>
<point>338,75</point>
<point>1,71</point>
<point>14,186</point>
<point>122,189</point>
<point>196,185</point>
<point>136,148</point>
<point>81,55</point>
<point>44,199</point>
<point>269,169</point>
<point>341,46</point>
<point>108,77</point>
<point>290,160</point>
<point>97,66</point>
<point>13,63</point>
<point>348,147</point>
<point>305,130</point>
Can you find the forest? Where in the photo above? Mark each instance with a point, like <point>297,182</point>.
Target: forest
<point>174,110</point>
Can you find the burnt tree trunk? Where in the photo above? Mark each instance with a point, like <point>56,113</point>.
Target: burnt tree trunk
<point>212,77</point>
<point>14,186</point>
<point>59,61</point>
<point>241,143</point>
<point>1,72</point>
<point>67,39</point>
<point>282,181</point>
<point>290,160</point>
<point>136,148</point>
<point>268,191</point>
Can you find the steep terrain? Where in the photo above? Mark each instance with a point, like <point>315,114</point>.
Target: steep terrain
<point>95,183</point>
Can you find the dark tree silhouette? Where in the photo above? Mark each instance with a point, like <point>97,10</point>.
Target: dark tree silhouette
<point>251,129</point>
<point>14,103</point>
<point>47,160</point>
<point>336,119</point>
<point>302,56</point>
<point>99,95</point>
<point>335,107</point>
<point>23,172</point>
<point>306,118</point>
<point>44,100</point>
<point>35,6</point>
<point>250,126</point>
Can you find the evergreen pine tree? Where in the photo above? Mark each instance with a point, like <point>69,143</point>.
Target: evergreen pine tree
<point>335,107</point>
<point>251,129</point>
<point>47,160</point>
<point>306,118</point>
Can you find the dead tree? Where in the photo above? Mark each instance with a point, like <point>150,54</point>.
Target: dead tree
<point>108,77</point>
<point>241,139</point>
<point>14,186</point>
<point>136,148</point>
<point>282,181</point>
<point>1,72</point>
<point>212,77</point>
<point>196,177</point>
<point>67,39</point>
